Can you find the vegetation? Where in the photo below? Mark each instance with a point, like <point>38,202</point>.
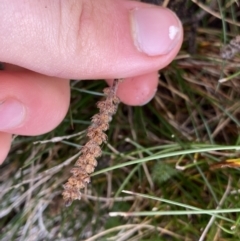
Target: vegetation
<point>169,170</point>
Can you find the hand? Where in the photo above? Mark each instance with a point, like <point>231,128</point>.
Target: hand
<point>45,43</point>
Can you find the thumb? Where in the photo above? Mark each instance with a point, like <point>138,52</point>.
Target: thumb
<point>88,39</point>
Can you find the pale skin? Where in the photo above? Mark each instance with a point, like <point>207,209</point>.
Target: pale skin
<point>45,43</point>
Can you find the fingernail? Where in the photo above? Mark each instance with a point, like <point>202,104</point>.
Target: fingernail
<point>155,30</point>
<point>12,113</point>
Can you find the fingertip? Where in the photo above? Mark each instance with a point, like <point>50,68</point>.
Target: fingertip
<point>106,39</point>
<point>139,90</point>
<point>32,104</point>
<point>5,144</point>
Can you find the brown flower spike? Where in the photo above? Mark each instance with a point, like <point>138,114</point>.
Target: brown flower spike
<point>87,162</point>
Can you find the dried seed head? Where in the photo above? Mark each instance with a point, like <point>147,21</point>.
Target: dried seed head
<point>86,179</point>
<point>96,135</point>
<point>107,91</point>
<point>104,126</point>
<point>82,160</point>
<point>89,168</point>
<point>116,100</point>
<point>90,151</point>
<point>75,181</point>
<point>98,119</point>
<point>70,194</point>
<point>93,131</point>
<point>92,148</point>
<point>76,170</point>
<point>101,105</point>
<point>67,186</point>
<point>112,110</point>
<point>100,139</point>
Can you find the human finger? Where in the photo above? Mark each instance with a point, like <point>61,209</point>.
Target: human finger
<point>139,90</point>
<point>31,103</point>
<point>88,39</point>
<point>5,144</point>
